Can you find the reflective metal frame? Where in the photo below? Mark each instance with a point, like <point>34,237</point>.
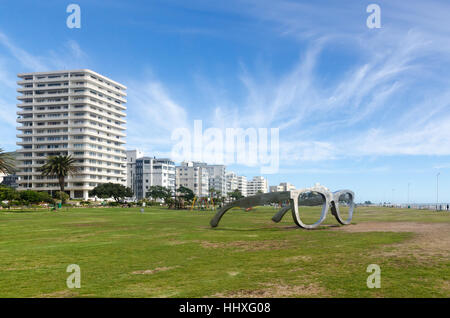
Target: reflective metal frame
<point>329,201</point>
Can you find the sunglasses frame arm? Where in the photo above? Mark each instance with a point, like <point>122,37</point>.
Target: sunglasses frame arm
<point>280,214</point>
<point>248,202</point>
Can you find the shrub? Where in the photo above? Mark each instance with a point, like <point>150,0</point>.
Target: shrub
<point>58,195</point>
<point>34,197</point>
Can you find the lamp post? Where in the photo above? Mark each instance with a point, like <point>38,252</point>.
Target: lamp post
<point>393,190</point>
<point>437,190</point>
<point>409,183</point>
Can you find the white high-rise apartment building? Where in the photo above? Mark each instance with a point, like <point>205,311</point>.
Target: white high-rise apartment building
<point>232,182</point>
<point>243,185</point>
<point>79,113</point>
<point>236,182</point>
<point>193,175</point>
<point>217,178</point>
<point>257,184</point>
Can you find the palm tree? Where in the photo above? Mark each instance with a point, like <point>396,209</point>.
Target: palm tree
<point>61,167</point>
<point>6,162</point>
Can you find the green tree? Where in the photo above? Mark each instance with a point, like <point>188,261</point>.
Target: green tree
<point>212,191</point>
<point>7,165</point>
<point>236,194</point>
<point>159,192</point>
<point>186,193</point>
<point>61,195</point>
<point>111,190</point>
<point>61,167</point>
<point>216,195</point>
<point>45,197</point>
<point>8,194</point>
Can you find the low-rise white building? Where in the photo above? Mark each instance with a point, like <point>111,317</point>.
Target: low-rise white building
<point>283,186</point>
<point>144,172</point>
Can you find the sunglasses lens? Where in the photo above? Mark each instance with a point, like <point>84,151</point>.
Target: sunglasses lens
<point>310,205</point>
<point>345,205</point>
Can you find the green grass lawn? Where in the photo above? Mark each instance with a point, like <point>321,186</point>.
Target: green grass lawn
<point>165,253</point>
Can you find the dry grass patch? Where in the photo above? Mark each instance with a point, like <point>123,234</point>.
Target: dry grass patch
<point>249,245</point>
<point>153,271</point>
<point>303,258</point>
<point>277,290</point>
<point>429,240</point>
<point>175,242</point>
<point>59,294</point>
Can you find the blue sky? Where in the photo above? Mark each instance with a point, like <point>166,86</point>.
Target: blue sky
<point>358,108</point>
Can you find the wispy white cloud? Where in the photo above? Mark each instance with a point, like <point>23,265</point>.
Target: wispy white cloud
<point>391,101</point>
<point>152,115</point>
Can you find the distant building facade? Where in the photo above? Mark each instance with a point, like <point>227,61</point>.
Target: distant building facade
<point>9,180</point>
<point>144,172</point>
<point>132,156</point>
<point>283,186</point>
<point>195,176</point>
<point>243,185</point>
<point>153,172</point>
<point>256,185</point>
<point>217,178</point>
<point>235,182</point>
<point>232,182</point>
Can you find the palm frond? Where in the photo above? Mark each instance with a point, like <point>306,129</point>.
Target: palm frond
<point>7,162</point>
<point>60,166</point>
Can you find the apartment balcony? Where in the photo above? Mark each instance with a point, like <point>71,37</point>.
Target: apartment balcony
<point>105,100</point>
<point>94,134</point>
<point>108,107</point>
<point>88,117</point>
<point>42,126</point>
<point>106,87</point>
<point>42,150</point>
<point>24,120</point>
<point>36,103</point>
<point>43,111</point>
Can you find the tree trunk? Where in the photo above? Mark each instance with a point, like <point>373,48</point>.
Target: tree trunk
<point>61,186</point>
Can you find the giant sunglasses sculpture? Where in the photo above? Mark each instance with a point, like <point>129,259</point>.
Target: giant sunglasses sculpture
<point>315,196</point>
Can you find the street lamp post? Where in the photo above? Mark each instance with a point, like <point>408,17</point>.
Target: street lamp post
<point>437,190</point>
<point>409,183</point>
